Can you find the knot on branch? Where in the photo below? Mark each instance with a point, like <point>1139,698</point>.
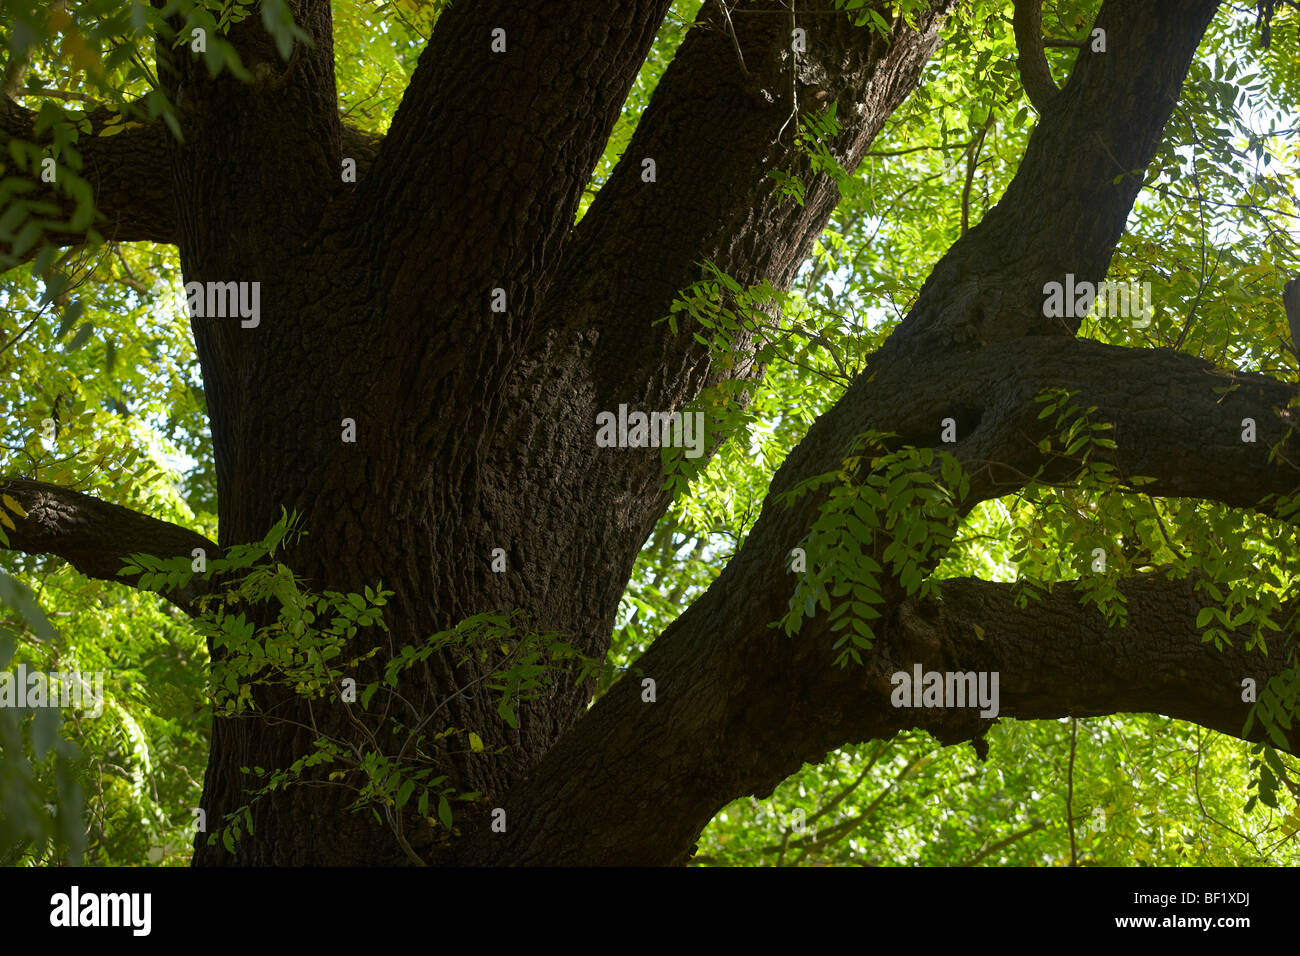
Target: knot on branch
<point>51,516</point>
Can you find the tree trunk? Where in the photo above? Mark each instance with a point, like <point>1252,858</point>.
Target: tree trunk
<point>475,428</point>
<point>356,326</point>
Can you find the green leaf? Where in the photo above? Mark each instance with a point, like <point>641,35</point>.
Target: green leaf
<point>15,594</point>
<point>27,237</point>
<point>70,315</point>
<point>45,729</point>
<point>1279,738</point>
<point>81,338</point>
<point>444,811</point>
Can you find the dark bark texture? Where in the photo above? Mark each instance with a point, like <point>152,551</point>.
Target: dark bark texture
<point>475,428</point>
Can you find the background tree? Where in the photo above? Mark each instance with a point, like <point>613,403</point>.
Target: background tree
<point>444,305</point>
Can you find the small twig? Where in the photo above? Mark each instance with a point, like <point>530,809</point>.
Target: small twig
<point>731,29</point>
<point>1196,789</point>
<point>794,92</point>
<point>55,94</point>
<point>1007,841</point>
<point>1069,792</point>
<point>1159,521</point>
<point>130,279</point>
<point>972,163</point>
<point>1201,279</point>
<point>914,149</point>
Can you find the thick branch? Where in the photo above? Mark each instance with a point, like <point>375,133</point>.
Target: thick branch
<point>541,110</point>
<point>770,704</point>
<point>1059,658</point>
<point>1035,74</point>
<point>276,136</point>
<point>519,99</point>
<point>1072,194</point>
<point>622,789</point>
<point>1177,419</point>
<point>715,134</point>
<point>127,173</point>
<point>755,706</point>
<point>95,536</point>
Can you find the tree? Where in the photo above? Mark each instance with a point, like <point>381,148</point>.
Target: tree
<point>419,379</point>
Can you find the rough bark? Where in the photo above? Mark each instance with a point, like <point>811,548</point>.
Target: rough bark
<point>449,497</point>
<point>715,133</point>
<point>1035,74</point>
<point>345,273</point>
<point>401,504</point>
<point>475,429</point>
<point>97,537</point>
<point>1062,213</point>
<point>753,712</point>
<point>1064,210</point>
<point>132,194</point>
<point>132,188</point>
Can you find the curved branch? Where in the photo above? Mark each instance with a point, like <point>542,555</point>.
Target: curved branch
<point>758,708</point>
<point>1069,201</point>
<point>97,537</point>
<point>1035,74</point>
<point>1059,657</point>
<point>757,705</point>
<point>1177,419</point>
